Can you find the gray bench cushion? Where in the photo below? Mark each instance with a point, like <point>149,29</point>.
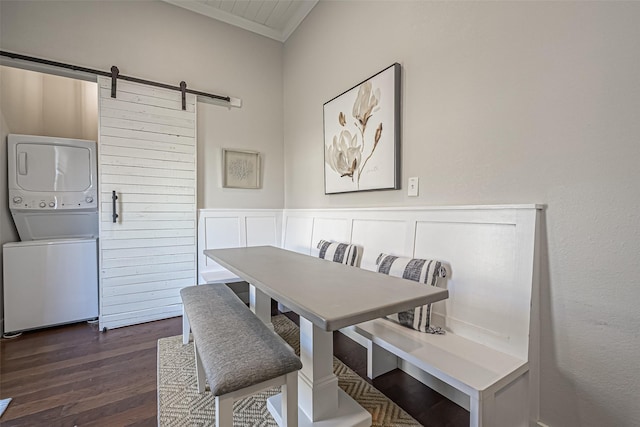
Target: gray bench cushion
<point>236,348</point>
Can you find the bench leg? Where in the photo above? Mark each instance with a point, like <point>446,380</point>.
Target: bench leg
<point>379,361</point>
<point>290,400</point>
<point>482,412</point>
<point>224,411</point>
<point>186,327</point>
<point>200,375</point>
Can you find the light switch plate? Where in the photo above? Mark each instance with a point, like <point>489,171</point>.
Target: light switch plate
<point>413,187</point>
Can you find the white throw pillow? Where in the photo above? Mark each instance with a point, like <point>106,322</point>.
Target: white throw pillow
<point>344,253</point>
<point>419,270</point>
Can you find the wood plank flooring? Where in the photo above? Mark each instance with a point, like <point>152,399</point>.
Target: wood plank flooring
<point>428,407</point>
<point>77,376</point>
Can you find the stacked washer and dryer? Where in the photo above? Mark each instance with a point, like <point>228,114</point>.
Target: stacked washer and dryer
<point>51,275</point>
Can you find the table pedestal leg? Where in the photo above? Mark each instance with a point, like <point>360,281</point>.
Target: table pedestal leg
<point>260,304</point>
<point>317,385</point>
<point>320,400</point>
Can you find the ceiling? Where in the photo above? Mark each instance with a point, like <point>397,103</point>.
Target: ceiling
<point>275,19</point>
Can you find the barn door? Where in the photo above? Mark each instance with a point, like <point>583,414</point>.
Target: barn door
<point>147,156</point>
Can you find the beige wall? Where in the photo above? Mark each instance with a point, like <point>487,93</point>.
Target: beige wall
<point>506,102</point>
<point>157,41</point>
<point>42,104</point>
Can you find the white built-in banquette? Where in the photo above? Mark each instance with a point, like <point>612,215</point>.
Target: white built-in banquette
<point>488,360</point>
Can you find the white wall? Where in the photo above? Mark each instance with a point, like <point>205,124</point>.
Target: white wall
<point>506,102</point>
<point>158,41</point>
<point>8,231</point>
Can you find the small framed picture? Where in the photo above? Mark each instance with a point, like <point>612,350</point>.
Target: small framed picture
<point>241,169</point>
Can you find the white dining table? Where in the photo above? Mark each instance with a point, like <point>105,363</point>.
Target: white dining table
<point>327,296</point>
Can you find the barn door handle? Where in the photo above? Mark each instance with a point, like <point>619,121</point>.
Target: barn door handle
<point>114,197</point>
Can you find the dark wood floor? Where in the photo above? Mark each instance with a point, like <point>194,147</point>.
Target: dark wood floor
<point>428,407</point>
<point>77,376</point>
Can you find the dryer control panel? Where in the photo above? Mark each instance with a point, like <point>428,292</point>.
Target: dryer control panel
<point>20,200</point>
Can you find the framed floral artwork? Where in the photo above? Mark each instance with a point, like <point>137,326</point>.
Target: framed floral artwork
<point>241,169</point>
<point>362,136</point>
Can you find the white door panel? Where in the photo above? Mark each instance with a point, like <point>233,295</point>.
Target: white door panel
<point>147,155</point>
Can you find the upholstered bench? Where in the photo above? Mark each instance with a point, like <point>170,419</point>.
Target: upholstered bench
<point>238,354</point>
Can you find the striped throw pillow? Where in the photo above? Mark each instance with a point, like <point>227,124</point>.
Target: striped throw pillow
<point>419,270</point>
<point>344,253</point>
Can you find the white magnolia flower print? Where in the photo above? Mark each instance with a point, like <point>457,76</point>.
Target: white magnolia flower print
<point>348,148</point>
<point>366,101</point>
<point>343,155</point>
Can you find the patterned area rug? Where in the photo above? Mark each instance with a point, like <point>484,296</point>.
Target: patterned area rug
<point>179,403</point>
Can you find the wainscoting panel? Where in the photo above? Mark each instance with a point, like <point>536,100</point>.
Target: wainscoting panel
<point>487,251</point>
<point>377,236</point>
<point>480,258</point>
<point>333,229</point>
<point>220,232</point>
<point>297,234</point>
<point>226,228</point>
<point>262,231</point>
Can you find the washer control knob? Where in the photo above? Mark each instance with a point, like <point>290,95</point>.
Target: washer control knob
<point>52,204</point>
<point>43,205</point>
<point>89,199</point>
<point>17,199</point>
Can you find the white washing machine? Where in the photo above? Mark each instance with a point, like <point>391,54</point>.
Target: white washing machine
<point>51,276</point>
<point>49,282</point>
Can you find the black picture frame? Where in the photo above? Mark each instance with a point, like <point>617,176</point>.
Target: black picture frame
<point>362,135</point>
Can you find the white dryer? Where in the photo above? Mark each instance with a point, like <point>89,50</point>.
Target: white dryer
<point>51,276</point>
<point>53,187</point>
